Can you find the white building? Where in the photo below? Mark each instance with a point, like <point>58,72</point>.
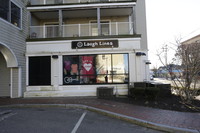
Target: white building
<point>76,46</point>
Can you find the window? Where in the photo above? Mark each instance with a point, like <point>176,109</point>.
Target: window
<point>10,12</point>
<point>51,30</point>
<point>15,15</point>
<point>4,9</point>
<point>104,28</point>
<point>95,69</point>
<point>40,70</point>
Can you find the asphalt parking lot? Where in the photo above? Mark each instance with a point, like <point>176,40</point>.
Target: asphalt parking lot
<point>63,120</point>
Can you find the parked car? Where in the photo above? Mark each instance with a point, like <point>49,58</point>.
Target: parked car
<point>151,77</point>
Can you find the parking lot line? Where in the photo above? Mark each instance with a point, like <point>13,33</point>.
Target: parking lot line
<point>79,122</point>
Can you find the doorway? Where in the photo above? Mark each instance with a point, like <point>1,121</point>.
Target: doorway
<point>4,78</point>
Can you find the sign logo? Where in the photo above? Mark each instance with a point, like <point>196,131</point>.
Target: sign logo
<point>79,44</point>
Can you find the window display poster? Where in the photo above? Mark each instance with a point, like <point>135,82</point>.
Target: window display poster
<point>87,65</point>
<point>71,70</point>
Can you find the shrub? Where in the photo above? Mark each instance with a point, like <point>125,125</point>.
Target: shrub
<point>152,93</point>
<point>138,92</point>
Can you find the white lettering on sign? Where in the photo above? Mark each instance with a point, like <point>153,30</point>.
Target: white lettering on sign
<point>93,44</point>
<point>106,43</point>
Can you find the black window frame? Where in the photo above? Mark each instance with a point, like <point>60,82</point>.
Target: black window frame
<point>112,75</point>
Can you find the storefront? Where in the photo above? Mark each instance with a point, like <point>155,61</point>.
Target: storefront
<point>78,67</point>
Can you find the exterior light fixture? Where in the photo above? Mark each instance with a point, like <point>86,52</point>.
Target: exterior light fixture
<point>55,56</point>
<point>140,54</point>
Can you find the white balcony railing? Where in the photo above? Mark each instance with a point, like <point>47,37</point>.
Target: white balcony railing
<point>80,30</point>
<point>44,2</point>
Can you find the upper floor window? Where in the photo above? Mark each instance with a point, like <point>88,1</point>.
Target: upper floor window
<point>104,28</point>
<point>10,12</point>
<point>4,9</point>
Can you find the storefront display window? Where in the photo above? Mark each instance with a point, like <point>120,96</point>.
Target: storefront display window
<point>95,69</point>
<point>71,72</point>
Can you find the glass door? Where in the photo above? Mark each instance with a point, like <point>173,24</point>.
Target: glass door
<point>51,30</point>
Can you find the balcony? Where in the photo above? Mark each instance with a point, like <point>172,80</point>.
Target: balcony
<point>53,2</point>
<point>82,30</point>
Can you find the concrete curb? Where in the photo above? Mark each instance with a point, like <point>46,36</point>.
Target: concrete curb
<point>133,120</point>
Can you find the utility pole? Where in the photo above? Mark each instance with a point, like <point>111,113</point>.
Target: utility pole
<point>165,49</point>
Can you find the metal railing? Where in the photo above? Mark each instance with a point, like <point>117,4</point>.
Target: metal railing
<point>45,2</point>
<point>80,30</point>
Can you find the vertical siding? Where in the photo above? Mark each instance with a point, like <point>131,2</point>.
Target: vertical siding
<point>14,38</point>
<point>4,78</point>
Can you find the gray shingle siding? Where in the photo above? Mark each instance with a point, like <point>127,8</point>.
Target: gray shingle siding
<point>14,38</point>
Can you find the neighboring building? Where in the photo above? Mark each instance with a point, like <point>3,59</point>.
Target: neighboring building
<point>195,39</point>
<point>191,50</point>
<point>75,46</point>
<point>13,25</point>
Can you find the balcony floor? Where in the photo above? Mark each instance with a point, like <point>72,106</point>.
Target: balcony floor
<point>85,37</point>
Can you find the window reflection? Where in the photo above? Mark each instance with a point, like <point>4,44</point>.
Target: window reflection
<point>95,69</point>
<point>103,64</point>
<point>120,63</point>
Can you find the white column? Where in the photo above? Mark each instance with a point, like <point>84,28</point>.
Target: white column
<point>55,73</point>
<point>11,82</point>
<point>20,82</point>
<point>132,67</point>
<point>60,66</point>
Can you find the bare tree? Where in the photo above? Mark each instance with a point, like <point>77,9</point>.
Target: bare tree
<point>185,79</point>
<point>189,54</point>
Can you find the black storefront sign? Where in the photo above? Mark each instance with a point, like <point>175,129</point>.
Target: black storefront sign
<point>95,44</point>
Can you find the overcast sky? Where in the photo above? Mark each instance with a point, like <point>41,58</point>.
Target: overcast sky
<point>170,19</point>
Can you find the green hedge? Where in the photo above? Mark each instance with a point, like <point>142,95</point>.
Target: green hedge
<point>149,93</point>
<point>152,93</point>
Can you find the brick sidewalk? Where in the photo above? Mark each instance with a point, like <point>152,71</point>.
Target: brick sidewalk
<point>164,117</point>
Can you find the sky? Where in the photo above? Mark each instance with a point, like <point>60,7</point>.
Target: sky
<point>168,20</point>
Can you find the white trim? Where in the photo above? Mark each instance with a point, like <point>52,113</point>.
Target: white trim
<point>81,6</point>
<point>9,21</point>
<point>27,71</point>
<point>79,52</point>
<point>69,41</point>
<point>12,53</point>
<point>14,26</point>
<point>60,65</point>
<point>11,82</point>
<point>19,82</point>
